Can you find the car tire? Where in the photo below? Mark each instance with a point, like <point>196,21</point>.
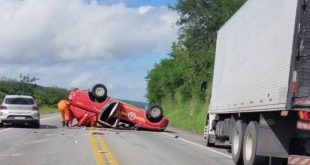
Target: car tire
<point>99,92</point>
<point>237,142</point>
<point>250,145</point>
<point>155,113</point>
<point>37,124</point>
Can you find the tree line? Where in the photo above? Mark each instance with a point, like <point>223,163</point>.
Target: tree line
<point>192,56</point>
<point>26,85</point>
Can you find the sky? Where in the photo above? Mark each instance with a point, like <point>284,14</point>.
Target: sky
<point>78,43</point>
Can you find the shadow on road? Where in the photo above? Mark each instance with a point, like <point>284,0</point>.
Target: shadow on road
<point>168,131</point>
<point>45,126</point>
<point>42,126</point>
<point>227,147</point>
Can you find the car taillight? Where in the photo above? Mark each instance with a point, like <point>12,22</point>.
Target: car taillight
<point>3,107</point>
<point>304,115</point>
<point>36,108</point>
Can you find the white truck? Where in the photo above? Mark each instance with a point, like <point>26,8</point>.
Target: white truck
<point>260,102</point>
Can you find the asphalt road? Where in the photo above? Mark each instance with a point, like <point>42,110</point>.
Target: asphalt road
<point>52,144</point>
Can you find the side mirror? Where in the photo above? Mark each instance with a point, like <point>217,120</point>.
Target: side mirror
<point>203,86</point>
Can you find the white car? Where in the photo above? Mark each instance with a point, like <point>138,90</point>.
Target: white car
<point>19,109</point>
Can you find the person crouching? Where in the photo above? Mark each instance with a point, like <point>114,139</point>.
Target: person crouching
<point>65,112</point>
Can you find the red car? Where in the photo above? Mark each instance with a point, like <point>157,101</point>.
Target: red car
<point>93,106</point>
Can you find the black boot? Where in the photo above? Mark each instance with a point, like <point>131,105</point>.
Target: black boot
<point>63,124</point>
<point>67,124</point>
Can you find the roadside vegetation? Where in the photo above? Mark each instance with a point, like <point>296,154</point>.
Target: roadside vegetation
<point>175,81</point>
<point>46,97</point>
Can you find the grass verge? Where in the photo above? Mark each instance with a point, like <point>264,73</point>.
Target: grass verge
<point>188,115</point>
<point>48,109</point>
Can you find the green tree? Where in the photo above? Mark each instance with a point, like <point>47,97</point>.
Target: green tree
<point>192,57</point>
<point>50,95</point>
<point>26,86</point>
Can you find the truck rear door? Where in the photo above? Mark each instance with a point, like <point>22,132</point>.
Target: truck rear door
<point>302,64</point>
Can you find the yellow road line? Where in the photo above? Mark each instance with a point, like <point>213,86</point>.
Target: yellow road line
<point>97,154</point>
<point>103,156</point>
<point>112,160</point>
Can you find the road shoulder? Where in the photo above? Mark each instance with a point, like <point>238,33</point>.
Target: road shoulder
<point>176,132</point>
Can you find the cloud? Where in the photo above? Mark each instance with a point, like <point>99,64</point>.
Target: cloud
<point>124,82</point>
<point>53,31</point>
<point>81,78</point>
<point>144,9</point>
<point>78,43</point>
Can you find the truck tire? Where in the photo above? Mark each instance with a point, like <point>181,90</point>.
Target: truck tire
<point>237,142</point>
<point>99,92</point>
<point>155,113</point>
<point>250,145</point>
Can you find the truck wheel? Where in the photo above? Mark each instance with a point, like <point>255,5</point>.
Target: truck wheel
<point>99,91</point>
<point>237,141</point>
<point>155,113</point>
<point>250,145</point>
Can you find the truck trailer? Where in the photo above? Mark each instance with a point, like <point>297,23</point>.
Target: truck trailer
<point>260,101</point>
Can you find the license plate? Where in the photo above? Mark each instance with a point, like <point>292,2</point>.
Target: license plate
<point>303,125</point>
<point>20,118</point>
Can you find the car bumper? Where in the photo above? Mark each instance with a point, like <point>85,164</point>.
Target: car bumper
<point>10,116</point>
<point>18,121</point>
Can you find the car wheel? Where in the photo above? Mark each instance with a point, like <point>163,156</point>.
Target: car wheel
<point>237,142</point>
<point>155,113</point>
<point>99,92</point>
<point>250,146</point>
<point>37,124</point>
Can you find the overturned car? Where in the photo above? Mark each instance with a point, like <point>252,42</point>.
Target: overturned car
<point>92,107</point>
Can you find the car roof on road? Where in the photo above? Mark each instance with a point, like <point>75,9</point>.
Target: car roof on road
<point>18,96</point>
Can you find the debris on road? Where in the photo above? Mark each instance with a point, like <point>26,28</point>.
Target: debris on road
<point>97,133</point>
